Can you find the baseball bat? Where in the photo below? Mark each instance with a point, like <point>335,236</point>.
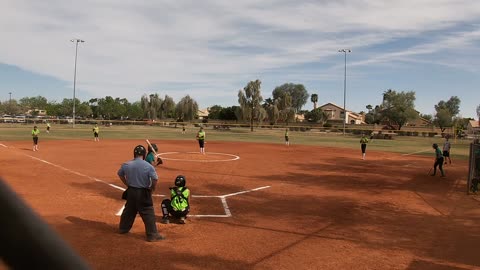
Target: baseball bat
<point>151,147</point>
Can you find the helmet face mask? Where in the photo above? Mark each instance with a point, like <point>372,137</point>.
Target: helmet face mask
<point>139,150</point>
<point>180,181</point>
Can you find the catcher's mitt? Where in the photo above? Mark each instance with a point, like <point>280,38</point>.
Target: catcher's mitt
<point>159,161</point>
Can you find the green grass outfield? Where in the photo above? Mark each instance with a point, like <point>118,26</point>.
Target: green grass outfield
<point>401,144</point>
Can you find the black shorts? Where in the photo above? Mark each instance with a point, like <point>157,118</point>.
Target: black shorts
<point>95,134</point>
<point>446,153</point>
<point>35,140</point>
<point>286,138</point>
<point>201,143</point>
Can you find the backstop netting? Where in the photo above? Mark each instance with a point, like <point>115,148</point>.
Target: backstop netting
<point>474,167</point>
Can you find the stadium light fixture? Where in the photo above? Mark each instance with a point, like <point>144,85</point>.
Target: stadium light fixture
<point>345,51</point>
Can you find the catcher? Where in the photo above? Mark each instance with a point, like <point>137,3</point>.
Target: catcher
<point>150,158</point>
<point>179,204</point>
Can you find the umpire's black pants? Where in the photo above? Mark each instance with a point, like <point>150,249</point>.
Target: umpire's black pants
<point>139,200</point>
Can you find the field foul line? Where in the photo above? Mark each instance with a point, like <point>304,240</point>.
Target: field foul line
<point>223,198</point>
<point>422,151</point>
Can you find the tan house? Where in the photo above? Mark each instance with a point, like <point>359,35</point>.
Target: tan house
<point>203,113</point>
<point>419,122</point>
<point>335,113</point>
<point>473,127</point>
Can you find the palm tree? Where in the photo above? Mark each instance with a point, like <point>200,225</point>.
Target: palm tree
<point>314,99</point>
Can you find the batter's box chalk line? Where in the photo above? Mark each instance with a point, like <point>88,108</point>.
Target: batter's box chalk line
<point>230,157</point>
<point>223,198</point>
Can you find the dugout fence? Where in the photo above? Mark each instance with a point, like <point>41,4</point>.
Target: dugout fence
<point>474,168</point>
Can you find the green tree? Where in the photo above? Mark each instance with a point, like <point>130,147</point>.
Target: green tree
<point>399,107</point>
<point>443,119</point>
<point>54,109</point>
<point>214,112</point>
<point>134,111</point>
<point>297,92</point>
<point>12,107</point>
<point>316,116</point>
<point>228,113</point>
<point>186,109</point>
<point>271,107</point>
<point>285,109</point>
<point>249,99</point>
<point>427,117</point>
<point>33,103</point>
<point>83,110</point>
<point>314,100</point>
<point>446,111</point>
<point>93,103</point>
<point>151,105</point>
<point>167,108</point>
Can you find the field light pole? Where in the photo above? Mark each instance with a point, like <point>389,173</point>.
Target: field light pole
<point>10,100</point>
<point>345,51</point>
<point>75,75</point>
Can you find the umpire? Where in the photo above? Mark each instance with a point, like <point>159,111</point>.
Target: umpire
<point>140,178</point>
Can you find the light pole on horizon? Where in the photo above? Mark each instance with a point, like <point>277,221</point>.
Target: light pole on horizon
<point>76,40</point>
<point>10,99</point>
<point>345,51</point>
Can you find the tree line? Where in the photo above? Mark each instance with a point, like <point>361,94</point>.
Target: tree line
<point>285,104</point>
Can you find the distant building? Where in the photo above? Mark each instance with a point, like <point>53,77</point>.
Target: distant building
<point>203,113</point>
<point>419,122</point>
<point>473,127</point>
<point>37,112</point>
<point>335,114</point>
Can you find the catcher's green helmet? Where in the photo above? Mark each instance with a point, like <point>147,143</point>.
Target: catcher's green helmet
<point>435,145</point>
<point>180,181</point>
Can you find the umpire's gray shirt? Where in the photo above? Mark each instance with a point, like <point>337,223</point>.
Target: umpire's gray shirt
<point>138,172</point>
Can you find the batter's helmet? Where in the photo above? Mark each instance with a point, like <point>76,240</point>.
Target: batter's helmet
<point>139,151</point>
<point>180,181</point>
<point>435,145</point>
<point>154,148</point>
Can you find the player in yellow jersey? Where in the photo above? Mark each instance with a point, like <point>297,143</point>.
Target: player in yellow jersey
<point>35,133</point>
<point>96,130</point>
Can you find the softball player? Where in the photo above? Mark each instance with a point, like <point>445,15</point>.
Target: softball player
<point>287,142</point>
<point>446,151</point>
<point>363,144</point>
<point>151,156</point>
<point>179,205</point>
<point>35,133</point>
<point>96,130</point>
<point>438,160</point>
<point>201,140</point>
<point>48,127</point>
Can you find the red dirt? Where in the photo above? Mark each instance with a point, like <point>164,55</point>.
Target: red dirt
<point>326,208</point>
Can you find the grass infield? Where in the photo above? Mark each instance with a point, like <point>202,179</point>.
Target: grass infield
<point>401,144</point>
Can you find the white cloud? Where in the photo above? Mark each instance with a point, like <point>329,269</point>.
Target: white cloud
<point>132,46</point>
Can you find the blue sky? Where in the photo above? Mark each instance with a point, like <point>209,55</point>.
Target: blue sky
<point>211,49</point>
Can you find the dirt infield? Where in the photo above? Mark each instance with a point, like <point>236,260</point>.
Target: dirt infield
<point>273,207</point>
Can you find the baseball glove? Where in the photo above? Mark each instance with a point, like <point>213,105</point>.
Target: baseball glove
<point>159,161</point>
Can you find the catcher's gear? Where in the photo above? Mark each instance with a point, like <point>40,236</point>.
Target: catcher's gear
<point>139,151</point>
<point>180,181</point>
